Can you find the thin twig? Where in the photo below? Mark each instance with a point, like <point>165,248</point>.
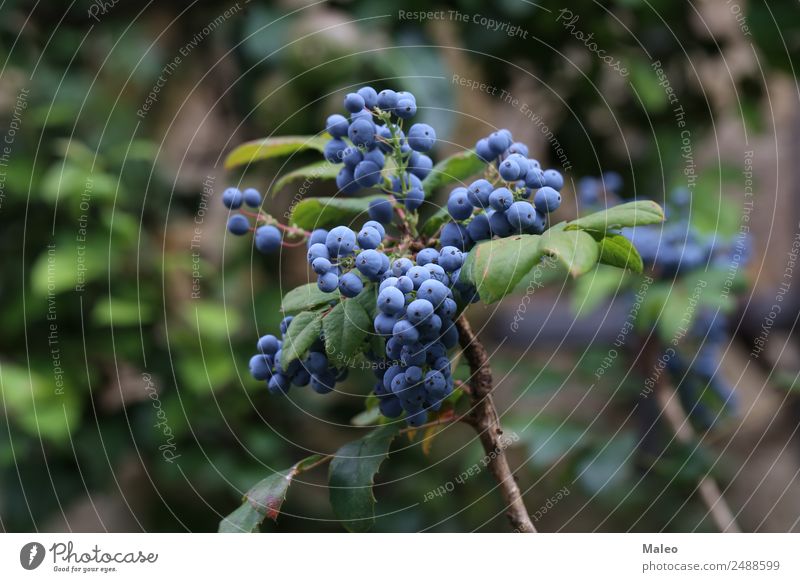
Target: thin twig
<point>484,419</point>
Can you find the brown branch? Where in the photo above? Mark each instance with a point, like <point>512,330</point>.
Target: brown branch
<point>484,419</point>
<point>676,418</point>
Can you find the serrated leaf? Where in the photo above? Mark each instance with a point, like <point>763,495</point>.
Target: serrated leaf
<point>264,500</point>
<point>352,475</point>
<point>323,170</point>
<point>303,331</point>
<point>495,267</point>
<point>618,251</point>
<point>435,222</point>
<point>327,212</point>
<point>574,249</point>
<point>455,168</point>
<point>306,297</point>
<point>637,213</point>
<point>273,147</point>
<point>345,327</point>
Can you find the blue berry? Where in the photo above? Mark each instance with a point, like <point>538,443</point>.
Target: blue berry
<point>390,407</point>
<point>518,148</point>
<point>268,239</point>
<point>345,180</point>
<point>337,125</point>
<point>391,301</point>
<point>547,199</point>
<point>420,165</point>
<point>447,309</point>
<point>376,157</point>
<point>350,284</point>
<point>414,198</point>
<point>427,255</point>
<point>362,132</point>
<point>405,109</point>
<point>377,226</point>
<point>478,228</point>
<point>334,149</point>
<point>384,323</point>
<point>252,197</point>
<point>352,156</point>
<point>405,332</point>
<point>387,100</point>
<point>418,275</point>
<point>340,241</point>
<point>509,170</point>
<point>499,142</point>
<point>318,250</point>
<point>455,235</point>
<point>284,325</point>
<point>238,224</point>
<point>328,282</point>
<point>413,375</point>
<point>535,178</point>
<point>369,238</point>
<point>553,179</point>
<point>421,137</point>
<point>432,290</point>
<point>459,205</point>
<point>479,192</point>
<point>499,224</point>
<point>485,151</point>
<point>317,236</point>
<point>521,216</point>
<point>369,263</point>
<point>268,344</point>
<point>232,198</point>
<point>501,199</point>
<point>369,95</point>
<point>279,384</point>
<point>401,266</point>
<point>612,182</point>
<point>381,210</point>
<point>450,258</point>
<point>323,383</point>
<point>418,310</point>
<point>405,284</point>
<point>417,418</point>
<point>321,265</point>
<point>367,174</point>
<point>260,367</point>
<point>354,102</point>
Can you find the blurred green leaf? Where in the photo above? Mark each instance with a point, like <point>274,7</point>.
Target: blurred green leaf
<point>435,222</point>
<point>323,170</point>
<point>273,147</point>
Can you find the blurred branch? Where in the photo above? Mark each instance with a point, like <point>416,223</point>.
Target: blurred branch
<point>484,419</point>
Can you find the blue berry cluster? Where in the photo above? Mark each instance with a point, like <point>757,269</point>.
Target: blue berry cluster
<point>374,131</point>
<point>315,369</point>
<point>515,200</point>
<point>267,237</point>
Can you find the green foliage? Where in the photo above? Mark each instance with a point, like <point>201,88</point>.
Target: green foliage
<point>638,213</point>
<point>302,333</point>
<point>352,475</point>
<point>346,327</point>
<point>456,168</point>
<point>307,296</point>
<point>314,213</point>
<point>273,147</point>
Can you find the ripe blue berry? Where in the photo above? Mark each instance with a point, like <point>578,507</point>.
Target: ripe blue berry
<point>401,266</point>
<point>350,284</point>
<point>414,198</point>
<point>455,235</point>
<point>521,216</point>
<point>432,290</point>
<point>534,178</point>
<point>405,284</point>
<point>427,255</point>
<point>268,344</point>
<point>369,95</point>
<point>421,137</point>
<point>328,282</point>
<point>367,174</point>
<point>518,148</point>
<point>478,228</point>
<point>485,151</point>
<point>352,156</point>
<point>381,210</point>
<point>354,102</point>
<point>459,205</point>
<point>279,384</point>
<point>553,179</point>
<point>509,170</point>
<point>499,224</point>
<point>340,241</point>
<point>321,265</point>
<point>337,125</point>
<point>334,149</point>
<point>323,383</point>
<point>238,224</point>
<point>369,263</point>
<point>387,100</point>
<point>499,142</point>
<point>418,275</point>
<point>479,192</point>
<point>252,197</point>
<point>376,157</point>
<point>369,238</point>
<point>405,109</point>
<point>547,199</point>
<point>362,132</point>
<point>317,236</point>
<point>284,325</point>
<point>384,323</point>
<point>420,165</point>
<point>268,239</point>
<point>345,180</point>
<point>501,199</point>
<point>232,198</point>
<point>450,258</point>
<point>391,301</point>
<point>318,250</point>
<point>405,332</point>
<point>418,310</point>
<point>260,367</point>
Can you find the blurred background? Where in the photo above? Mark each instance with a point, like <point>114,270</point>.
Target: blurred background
<point>128,315</point>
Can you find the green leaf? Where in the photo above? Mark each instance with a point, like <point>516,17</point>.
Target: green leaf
<point>306,297</point>
<point>303,331</point>
<point>264,500</point>
<point>345,327</point>
<point>327,212</point>
<point>352,475</point>
<point>617,251</point>
<point>455,168</point>
<point>594,289</point>
<point>273,147</point>
<point>435,222</point>
<point>574,249</point>
<point>496,266</point>
<point>638,213</point>
<point>323,170</point>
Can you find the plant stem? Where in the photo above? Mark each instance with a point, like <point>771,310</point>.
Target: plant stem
<point>484,419</point>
